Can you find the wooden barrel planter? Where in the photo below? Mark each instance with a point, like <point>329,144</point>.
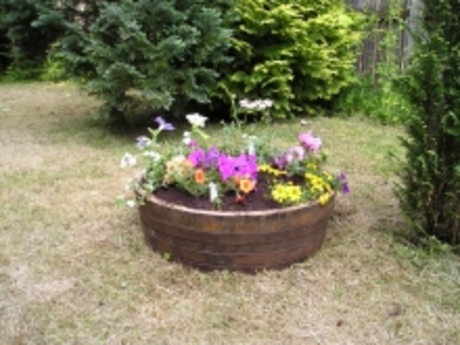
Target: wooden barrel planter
<point>236,241</point>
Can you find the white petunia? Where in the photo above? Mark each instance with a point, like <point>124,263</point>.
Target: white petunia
<point>244,103</point>
<point>196,119</point>
<point>155,156</point>
<point>251,148</point>
<point>213,194</point>
<point>268,103</point>
<point>131,203</point>
<point>259,104</point>
<point>128,160</point>
<point>187,139</point>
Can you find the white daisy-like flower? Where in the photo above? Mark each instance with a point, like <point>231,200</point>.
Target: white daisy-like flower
<point>196,119</point>
<point>128,160</point>
<point>131,203</point>
<point>155,156</point>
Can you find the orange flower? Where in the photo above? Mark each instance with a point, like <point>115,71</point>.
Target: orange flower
<point>199,175</point>
<point>246,185</point>
<point>236,180</point>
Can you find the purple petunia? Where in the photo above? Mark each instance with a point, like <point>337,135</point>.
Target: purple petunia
<point>142,142</point>
<point>344,183</point>
<point>280,162</point>
<point>164,126</point>
<point>206,159</point>
<point>197,157</point>
<point>211,157</point>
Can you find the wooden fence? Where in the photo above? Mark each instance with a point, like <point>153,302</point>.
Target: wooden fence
<point>373,49</point>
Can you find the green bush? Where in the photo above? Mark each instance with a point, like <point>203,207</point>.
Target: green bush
<point>374,95</point>
<point>26,45</point>
<point>152,55</point>
<point>430,190</point>
<point>298,53</point>
<point>377,101</point>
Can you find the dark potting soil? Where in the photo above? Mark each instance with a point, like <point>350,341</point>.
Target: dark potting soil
<point>256,200</point>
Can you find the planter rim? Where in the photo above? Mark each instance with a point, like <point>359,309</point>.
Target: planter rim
<point>190,210</point>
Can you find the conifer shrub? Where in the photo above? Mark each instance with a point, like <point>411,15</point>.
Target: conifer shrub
<point>23,45</point>
<point>153,55</point>
<point>430,190</point>
<point>298,53</point>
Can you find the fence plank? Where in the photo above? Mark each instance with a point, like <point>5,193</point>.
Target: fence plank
<point>372,51</point>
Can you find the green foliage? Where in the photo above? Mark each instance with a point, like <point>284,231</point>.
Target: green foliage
<point>151,55</point>
<point>430,190</point>
<point>298,53</point>
<point>374,94</point>
<point>4,43</point>
<point>378,101</point>
<point>26,45</point>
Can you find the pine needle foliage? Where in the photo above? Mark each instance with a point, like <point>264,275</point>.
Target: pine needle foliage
<point>298,53</point>
<point>158,55</point>
<point>25,45</point>
<point>430,189</point>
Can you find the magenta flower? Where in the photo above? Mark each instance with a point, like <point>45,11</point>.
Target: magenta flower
<point>197,157</point>
<point>241,166</point>
<point>164,126</point>
<point>246,165</point>
<point>206,159</point>
<point>226,166</point>
<point>309,142</point>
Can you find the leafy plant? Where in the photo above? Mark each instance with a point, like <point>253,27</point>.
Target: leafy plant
<point>202,167</point>
<point>430,190</point>
<point>27,45</point>
<point>298,53</point>
<point>373,94</point>
<point>153,55</point>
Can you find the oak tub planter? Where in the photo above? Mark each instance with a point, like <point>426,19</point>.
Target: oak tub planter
<point>236,241</point>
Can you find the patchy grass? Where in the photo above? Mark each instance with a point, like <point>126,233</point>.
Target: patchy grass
<point>74,269</point>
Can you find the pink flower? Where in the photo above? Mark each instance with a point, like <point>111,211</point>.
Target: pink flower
<point>295,154</point>
<point>309,142</point>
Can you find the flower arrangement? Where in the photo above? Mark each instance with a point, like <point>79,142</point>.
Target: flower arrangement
<point>202,168</point>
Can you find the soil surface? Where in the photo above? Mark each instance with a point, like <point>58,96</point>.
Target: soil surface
<point>257,200</point>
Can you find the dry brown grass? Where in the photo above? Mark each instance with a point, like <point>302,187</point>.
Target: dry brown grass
<point>74,268</point>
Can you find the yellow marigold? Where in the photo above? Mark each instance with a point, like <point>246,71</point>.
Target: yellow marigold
<point>323,199</point>
<point>286,193</point>
<point>269,170</point>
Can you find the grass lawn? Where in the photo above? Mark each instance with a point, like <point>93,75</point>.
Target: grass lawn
<point>74,268</point>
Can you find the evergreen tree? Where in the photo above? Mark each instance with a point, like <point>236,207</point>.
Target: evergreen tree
<point>154,55</point>
<point>26,45</point>
<point>430,190</point>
